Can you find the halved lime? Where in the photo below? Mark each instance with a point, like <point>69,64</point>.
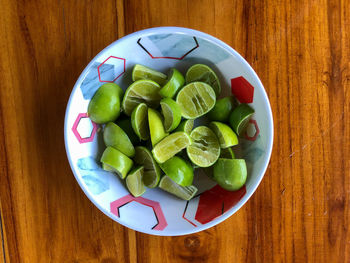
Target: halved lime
<point>116,160</point>
<point>205,148</point>
<point>125,124</point>
<point>239,118</point>
<point>156,127</point>
<point>230,174</point>
<point>222,109</point>
<point>152,172</point>
<point>107,168</point>
<point>179,170</point>
<point>146,91</point>
<point>139,121</point>
<point>227,153</point>
<point>170,146</point>
<point>183,192</point>
<point>174,84</point>
<point>115,137</point>
<point>201,72</point>
<point>185,126</point>
<point>195,100</point>
<point>171,112</point>
<point>224,133</point>
<point>134,182</point>
<point>143,72</point>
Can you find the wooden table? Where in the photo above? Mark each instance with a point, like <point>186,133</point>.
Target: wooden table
<point>300,50</point>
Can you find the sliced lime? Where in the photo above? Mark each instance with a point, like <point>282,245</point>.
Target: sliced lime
<point>205,148</point>
<point>170,146</point>
<point>195,100</point>
<point>146,91</point>
<point>143,72</point>
<point>224,133</point>
<point>222,109</point>
<point>185,126</point>
<point>174,84</point>
<point>227,153</point>
<point>139,121</point>
<point>107,168</point>
<point>179,170</point>
<point>115,137</point>
<point>183,192</point>
<point>156,127</point>
<point>116,160</point>
<point>240,117</point>
<point>134,182</point>
<point>201,72</point>
<point>125,124</point>
<point>172,114</point>
<point>230,174</point>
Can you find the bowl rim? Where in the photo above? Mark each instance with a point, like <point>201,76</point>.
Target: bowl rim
<point>270,135</point>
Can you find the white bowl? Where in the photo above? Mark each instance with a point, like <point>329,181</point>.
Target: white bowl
<point>158,212</point>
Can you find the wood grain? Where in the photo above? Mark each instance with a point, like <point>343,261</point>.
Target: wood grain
<point>300,50</point>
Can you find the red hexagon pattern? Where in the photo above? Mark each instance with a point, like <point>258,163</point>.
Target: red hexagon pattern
<point>76,132</point>
<point>116,61</point>
<point>242,90</point>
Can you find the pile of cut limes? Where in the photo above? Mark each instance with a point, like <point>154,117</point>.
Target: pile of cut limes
<point>154,144</point>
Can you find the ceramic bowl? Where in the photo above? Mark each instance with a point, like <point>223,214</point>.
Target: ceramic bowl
<point>157,212</point>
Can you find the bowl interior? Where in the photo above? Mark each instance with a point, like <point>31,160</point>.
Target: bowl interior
<point>157,212</point>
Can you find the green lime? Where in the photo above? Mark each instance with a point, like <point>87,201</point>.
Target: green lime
<point>224,133</point>
<point>240,117</point>
<point>230,174</point>
<point>119,162</point>
<point>227,153</point>
<point>183,192</point>
<point>143,72</point>
<point>185,126</point>
<point>127,128</point>
<point>105,104</point>
<point>174,84</point>
<point>139,121</point>
<point>156,127</point>
<point>115,137</point>
<point>222,109</point>
<point>134,182</point>
<point>107,168</point>
<point>180,171</point>
<point>146,91</point>
<point>170,146</point>
<point>195,100</point>
<point>201,72</point>
<point>205,148</point>
<point>172,114</point>
<point>152,172</point>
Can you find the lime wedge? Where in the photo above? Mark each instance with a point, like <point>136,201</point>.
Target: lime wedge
<point>205,148</point>
<point>152,172</point>
<point>170,146</point>
<point>240,117</point>
<point>117,161</point>
<point>185,126</point>
<point>201,72</point>
<point>105,104</point>
<point>134,182</point>
<point>143,72</point>
<point>174,84</point>
<point>222,109</point>
<point>107,168</point>
<point>230,174</point>
<point>224,133</point>
<point>127,128</point>
<point>139,121</point>
<point>115,137</point>
<point>180,171</point>
<point>172,114</point>
<point>146,91</point>
<point>227,153</point>
<point>195,100</point>
<point>183,192</point>
<point>156,127</point>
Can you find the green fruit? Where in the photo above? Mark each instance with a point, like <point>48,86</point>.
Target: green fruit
<point>172,114</point>
<point>240,117</point>
<point>115,137</point>
<point>180,171</point>
<point>183,192</point>
<point>117,161</point>
<point>230,174</point>
<point>156,127</point>
<point>142,72</point>
<point>127,128</point>
<point>222,109</point>
<point>174,84</point>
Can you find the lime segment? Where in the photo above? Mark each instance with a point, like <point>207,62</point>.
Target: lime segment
<point>239,118</point>
<point>170,146</point>
<point>146,91</point>
<point>205,148</point>
<point>115,137</point>
<point>139,121</point>
<point>180,171</point>
<point>156,127</point>
<point>127,128</point>
<point>174,84</point>
<point>201,72</point>
<point>143,72</point>
<point>134,182</point>
<point>224,133</point>
<point>222,109</point>
<point>230,174</point>
<point>183,192</point>
<point>195,99</point>
<point>107,168</point>
<point>227,153</point>
<point>172,114</point>
<point>186,126</point>
<point>119,162</point>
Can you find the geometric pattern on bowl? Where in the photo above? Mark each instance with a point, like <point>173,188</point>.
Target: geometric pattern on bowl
<point>84,129</point>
